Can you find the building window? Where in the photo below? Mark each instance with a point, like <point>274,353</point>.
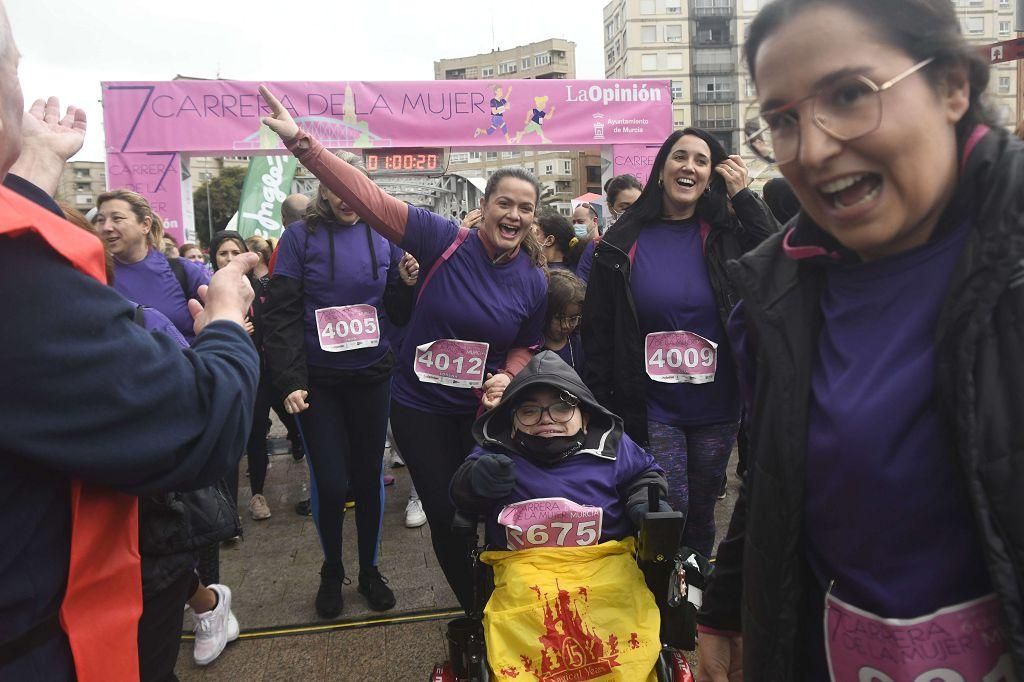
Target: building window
<point>675,61</point>
<point>1004,84</point>
<point>525,63</point>
<point>714,35</point>
<point>1004,3</point>
<point>677,90</point>
<point>974,24</point>
<point>566,167</point>
<point>487,71</point>
<point>674,33</point>
<point>751,90</point>
<point>712,89</point>
<point>542,59</point>
<point>649,62</point>
<point>648,34</point>
<point>81,172</point>
<point>673,7</point>
<point>547,169</point>
<point>611,56</point>
<point>459,157</point>
<point>713,61</point>
<point>474,156</point>
<point>609,30</point>
<point>594,174</point>
<point>82,186</point>
<point>83,199</point>
<point>492,156</point>
<point>646,6</point>
<point>1004,28</point>
<point>507,67</point>
<point>716,115</point>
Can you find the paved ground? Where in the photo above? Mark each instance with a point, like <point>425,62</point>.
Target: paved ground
<point>274,573</point>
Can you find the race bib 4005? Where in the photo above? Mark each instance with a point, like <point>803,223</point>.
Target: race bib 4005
<point>680,358</point>
<point>550,522</point>
<point>347,327</point>
<point>451,362</point>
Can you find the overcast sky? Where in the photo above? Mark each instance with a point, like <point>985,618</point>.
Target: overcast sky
<point>69,47</point>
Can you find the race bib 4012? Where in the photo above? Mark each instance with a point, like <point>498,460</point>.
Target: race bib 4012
<point>452,362</point>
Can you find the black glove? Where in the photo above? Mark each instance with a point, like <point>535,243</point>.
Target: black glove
<point>493,476</point>
<point>637,512</point>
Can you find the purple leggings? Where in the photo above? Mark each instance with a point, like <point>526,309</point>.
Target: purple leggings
<point>694,459</point>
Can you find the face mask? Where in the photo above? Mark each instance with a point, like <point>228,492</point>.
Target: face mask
<point>549,450</point>
<point>580,229</point>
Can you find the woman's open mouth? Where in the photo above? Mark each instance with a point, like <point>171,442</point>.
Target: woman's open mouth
<point>851,191</point>
<point>508,231</point>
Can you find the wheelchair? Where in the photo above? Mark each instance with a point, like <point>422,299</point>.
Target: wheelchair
<point>675,576</point>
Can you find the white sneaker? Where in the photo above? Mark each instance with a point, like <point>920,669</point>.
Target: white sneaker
<point>258,508</point>
<point>215,628</point>
<point>414,514</point>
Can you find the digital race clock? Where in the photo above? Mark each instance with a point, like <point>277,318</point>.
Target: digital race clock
<point>413,161</point>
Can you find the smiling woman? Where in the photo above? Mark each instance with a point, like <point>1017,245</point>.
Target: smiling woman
<point>658,299</point>
<point>881,334</point>
<point>479,308</point>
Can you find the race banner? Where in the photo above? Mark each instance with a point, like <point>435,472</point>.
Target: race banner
<point>223,116</point>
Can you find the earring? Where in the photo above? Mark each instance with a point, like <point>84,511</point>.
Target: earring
<point>660,183</point>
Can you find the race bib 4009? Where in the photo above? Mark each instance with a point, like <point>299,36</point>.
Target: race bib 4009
<point>680,358</point>
<point>961,643</point>
<point>347,327</point>
<point>550,522</point>
<point>452,362</point>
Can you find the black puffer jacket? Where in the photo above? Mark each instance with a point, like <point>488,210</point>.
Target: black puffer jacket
<point>612,342</point>
<point>762,577</point>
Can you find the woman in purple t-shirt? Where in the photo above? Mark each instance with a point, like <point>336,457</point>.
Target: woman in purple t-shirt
<point>655,313</point>
<point>479,309</point>
<point>326,338</point>
<point>133,235</point>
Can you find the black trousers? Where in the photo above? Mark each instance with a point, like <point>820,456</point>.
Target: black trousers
<point>344,431</point>
<point>433,447</point>
<point>160,629</point>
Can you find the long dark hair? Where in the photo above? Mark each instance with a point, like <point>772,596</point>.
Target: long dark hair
<point>529,244</point>
<point>921,28</point>
<point>555,225</point>
<point>713,205</point>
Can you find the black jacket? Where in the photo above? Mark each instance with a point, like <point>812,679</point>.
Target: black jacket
<point>612,342</point>
<point>762,581</point>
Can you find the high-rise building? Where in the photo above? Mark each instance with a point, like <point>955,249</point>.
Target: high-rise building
<point>81,182</point>
<point>698,45</point>
<point>564,174</point>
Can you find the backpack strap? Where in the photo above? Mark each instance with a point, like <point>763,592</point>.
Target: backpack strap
<point>459,239</point>
<point>178,268</point>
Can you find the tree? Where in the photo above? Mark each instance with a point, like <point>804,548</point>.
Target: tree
<point>225,192</point>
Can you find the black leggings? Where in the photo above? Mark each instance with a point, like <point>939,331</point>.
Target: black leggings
<point>344,431</point>
<point>160,628</point>
<point>433,447</point>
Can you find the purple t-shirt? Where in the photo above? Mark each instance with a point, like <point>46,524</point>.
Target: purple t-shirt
<point>467,298</point>
<point>886,513</point>
<point>584,479</point>
<point>672,292</point>
<point>349,280</point>
<point>571,352</point>
<point>152,283</point>
<point>156,321</point>
<point>586,261</point>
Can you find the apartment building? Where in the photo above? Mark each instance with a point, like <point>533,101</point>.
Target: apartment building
<point>564,174</point>
<point>698,45</point>
<point>81,182</point>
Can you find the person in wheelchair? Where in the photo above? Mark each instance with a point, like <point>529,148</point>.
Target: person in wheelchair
<point>550,442</point>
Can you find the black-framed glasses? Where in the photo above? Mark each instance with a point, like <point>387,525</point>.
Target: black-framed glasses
<point>530,414</point>
<point>568,320</point>
<point>847,109</point>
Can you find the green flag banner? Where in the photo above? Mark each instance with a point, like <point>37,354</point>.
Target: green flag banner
<point>266,185</point>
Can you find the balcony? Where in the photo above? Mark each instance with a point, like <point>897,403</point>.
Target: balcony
<point>720,96</point>
<point>704,9</point>
<point>714,68</point>
<point>716,123</point>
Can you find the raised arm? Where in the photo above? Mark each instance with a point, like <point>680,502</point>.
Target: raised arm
<point>379,209</point>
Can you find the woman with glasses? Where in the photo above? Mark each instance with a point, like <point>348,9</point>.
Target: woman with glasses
<point>881,335</point>
<point>550,438</point>
<point>655,314</point>
<point>562,322</point>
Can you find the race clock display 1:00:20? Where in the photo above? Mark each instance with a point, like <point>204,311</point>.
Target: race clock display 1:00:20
<point>413,161</point>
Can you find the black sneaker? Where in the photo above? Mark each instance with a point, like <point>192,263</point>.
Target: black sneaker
<point>304,508</point>
<point>374,587</point>
<point>329,601</point>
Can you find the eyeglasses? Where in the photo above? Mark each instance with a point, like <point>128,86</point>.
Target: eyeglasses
<point>530,414</point>
<point>847,109</point>
<point>568,320</point>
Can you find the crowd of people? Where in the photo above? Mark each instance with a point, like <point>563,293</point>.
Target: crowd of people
<point>853,334</point>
